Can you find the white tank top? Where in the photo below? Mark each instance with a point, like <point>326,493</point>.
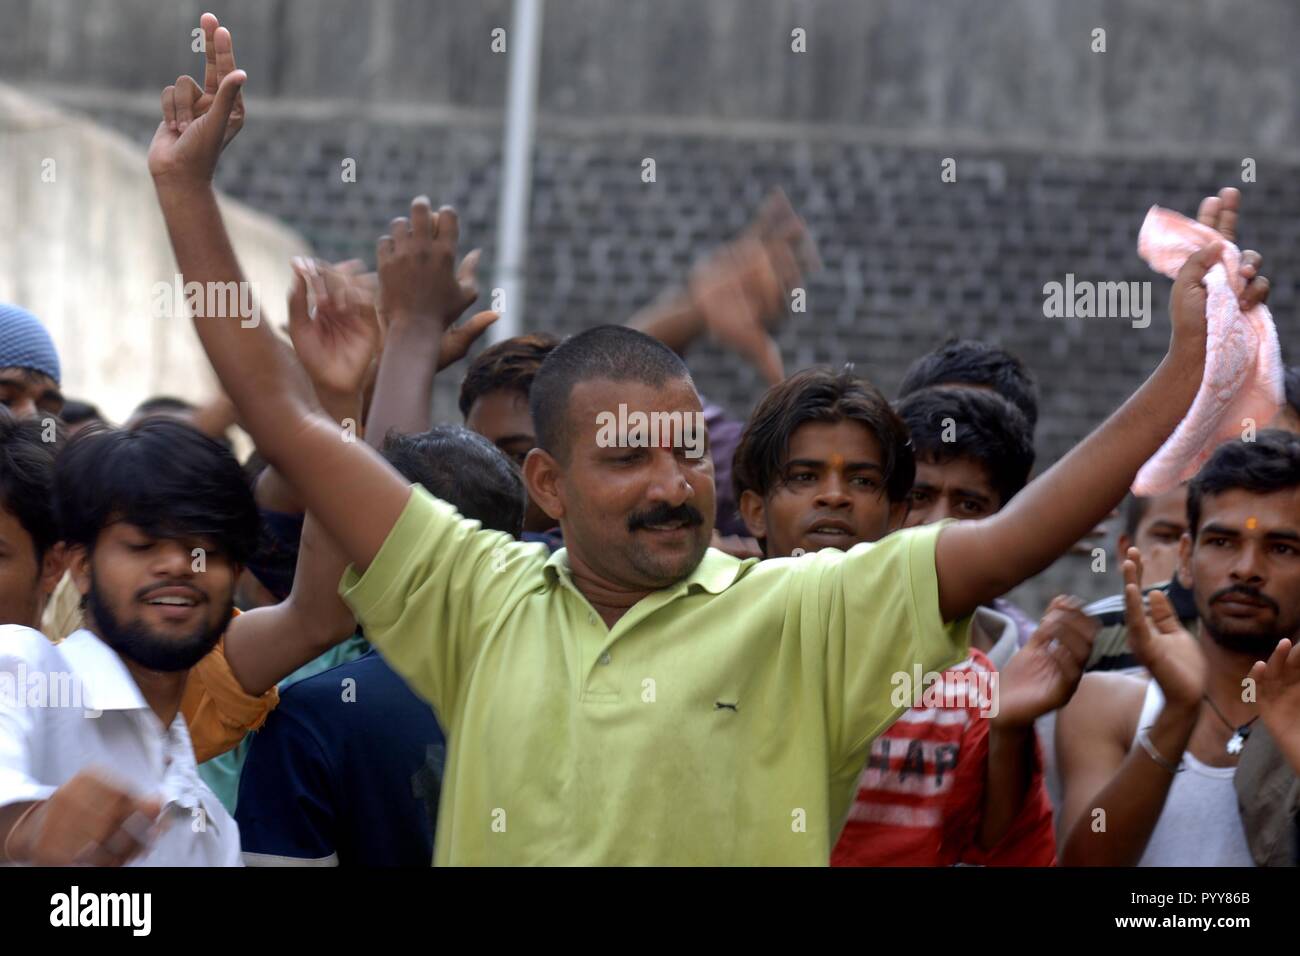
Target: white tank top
<point>1200,824</point>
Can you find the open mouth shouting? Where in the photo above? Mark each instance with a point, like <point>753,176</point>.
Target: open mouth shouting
<point>831,533</point>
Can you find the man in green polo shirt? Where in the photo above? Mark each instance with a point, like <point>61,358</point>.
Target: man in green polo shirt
<point>636,698</point>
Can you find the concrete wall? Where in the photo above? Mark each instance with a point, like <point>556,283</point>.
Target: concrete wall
<point>1217,73</point>
<point>84,248</point>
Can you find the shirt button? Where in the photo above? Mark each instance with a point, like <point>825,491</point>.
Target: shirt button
<point>591,618</point>
<point>604,658</point>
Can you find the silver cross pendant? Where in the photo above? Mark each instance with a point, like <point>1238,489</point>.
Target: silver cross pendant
<point>1236,742</point>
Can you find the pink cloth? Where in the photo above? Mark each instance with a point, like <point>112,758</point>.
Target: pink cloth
<point>1243,364</point>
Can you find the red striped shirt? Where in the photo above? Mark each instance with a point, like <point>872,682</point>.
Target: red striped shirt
<point>921,796</point>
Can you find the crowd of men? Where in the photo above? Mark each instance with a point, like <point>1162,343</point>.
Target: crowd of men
<point>534,639</point>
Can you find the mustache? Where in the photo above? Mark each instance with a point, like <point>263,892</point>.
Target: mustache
<point>1245,591</point>
<point>662,514</point>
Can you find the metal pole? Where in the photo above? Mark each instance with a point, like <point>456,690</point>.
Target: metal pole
<point>524,49</point>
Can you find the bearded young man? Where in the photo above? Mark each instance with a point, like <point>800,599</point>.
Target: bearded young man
<point>96,763</point>
<point>1155,758</point>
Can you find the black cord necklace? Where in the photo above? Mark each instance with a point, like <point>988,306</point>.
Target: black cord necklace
<point>1238,739</point>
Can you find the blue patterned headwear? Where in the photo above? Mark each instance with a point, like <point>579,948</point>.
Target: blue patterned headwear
<point>24,343</point>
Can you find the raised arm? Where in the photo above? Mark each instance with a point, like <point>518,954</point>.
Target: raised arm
<point>338,395</point>
<point>1062,505</point>
<point>416,348</point>
<point>1040,678</point>
<point>738,292</point>
<point>336,344</point>
<point>1278,680</point>
<point>349,488</point>
<point>1115,789</point>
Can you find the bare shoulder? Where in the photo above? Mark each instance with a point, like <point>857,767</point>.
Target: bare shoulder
<point>1106,703</point>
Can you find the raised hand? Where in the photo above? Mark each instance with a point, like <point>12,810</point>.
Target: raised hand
<point>1277,689</point>
<point>418,278</point>
<point>734,289</point>
<point>778,223</point>
<point>1043,675</point>
<point>198,123</point>
<point>1160,642</point>
<point>1221,213</point>
<point>90,820</point>
<point>1187,303</point>
<point>338,338</point>
<point>219,60</point>
<point>456,341</point>
<point>740,290</point>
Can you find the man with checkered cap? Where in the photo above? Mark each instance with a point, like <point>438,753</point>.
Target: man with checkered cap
<point>29,365</point>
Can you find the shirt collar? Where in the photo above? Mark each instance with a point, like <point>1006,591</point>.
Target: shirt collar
<point>716,572</point>
<point>106,682</point>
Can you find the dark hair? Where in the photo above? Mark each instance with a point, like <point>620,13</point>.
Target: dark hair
<point>819,395</point>
<point>969,362</point>
<point>1269,463</point>
<point>75,412</point>
<point>507,366</point>
<point>27,479</point>
<point>1135,508</point>
<point>986,429</point>
<point>163,476</point>
<point>611,352</point>
<point>1291,382</point>
<point>163,403</point>
<point>464,469</point>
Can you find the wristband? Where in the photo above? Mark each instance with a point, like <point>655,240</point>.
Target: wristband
<point>1144,738</point>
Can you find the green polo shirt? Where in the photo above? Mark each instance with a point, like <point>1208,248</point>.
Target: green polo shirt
<point>723,720</point>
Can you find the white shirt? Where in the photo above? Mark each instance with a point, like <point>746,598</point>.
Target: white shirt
<point>1200,824</point>
<point>73,706</point>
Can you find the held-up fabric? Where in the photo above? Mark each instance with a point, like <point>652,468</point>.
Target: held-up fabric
<point>1243,379</point>
<point>722,720</point>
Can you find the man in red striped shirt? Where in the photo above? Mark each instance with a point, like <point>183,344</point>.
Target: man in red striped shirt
<point>958,778</point>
